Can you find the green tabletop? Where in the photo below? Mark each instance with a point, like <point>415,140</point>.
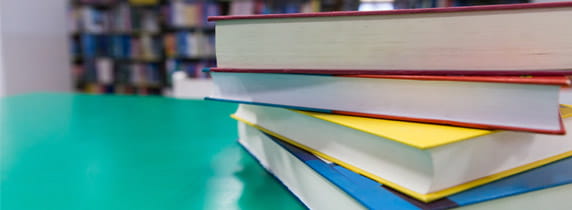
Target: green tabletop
<point>64,151</point>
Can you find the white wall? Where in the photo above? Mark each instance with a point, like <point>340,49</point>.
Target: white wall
<point>34,46</point>
<point>2,83</point>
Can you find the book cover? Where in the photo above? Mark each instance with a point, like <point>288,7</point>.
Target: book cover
<point>373,195</point>
<point>564,81</point>
<point>539,80</point>
<point>426,135</point>
<point>460,72</point>
<point>399,11</point>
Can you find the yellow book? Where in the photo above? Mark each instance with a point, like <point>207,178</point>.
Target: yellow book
<point>144,2</point>
<point>425,161</point>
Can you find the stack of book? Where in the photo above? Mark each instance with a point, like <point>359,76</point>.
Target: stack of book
<point>405,109</point>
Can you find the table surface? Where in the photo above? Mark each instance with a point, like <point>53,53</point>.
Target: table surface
<point>71,151</point>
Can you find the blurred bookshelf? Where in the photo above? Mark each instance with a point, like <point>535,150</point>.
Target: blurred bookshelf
<point>135,46</point>
<point>117,46</point>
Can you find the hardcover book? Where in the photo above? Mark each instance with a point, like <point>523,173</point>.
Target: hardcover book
<point>320,184</point>
<point>566,95</point>
<point>478,102</point>
<point>424,161</point>
<point>519,39</point>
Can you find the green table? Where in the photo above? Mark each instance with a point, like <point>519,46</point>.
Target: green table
<point>64,151</point>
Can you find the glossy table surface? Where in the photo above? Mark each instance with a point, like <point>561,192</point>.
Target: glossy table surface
<point>68,151</point>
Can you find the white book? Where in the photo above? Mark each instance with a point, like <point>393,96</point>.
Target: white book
<point>242,7</point>
<point>566,96</point>
<point>178,13</point>
<point>504,103</point>
<point>517,39</point>
<point>104,68</point>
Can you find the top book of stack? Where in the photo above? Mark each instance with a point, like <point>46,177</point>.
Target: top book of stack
<point>521,39</point>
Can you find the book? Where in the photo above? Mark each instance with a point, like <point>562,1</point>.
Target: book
<point>170,43</point>
<point>479,40</point>
<point>244,7</point>
<point>566,95</point>
<point>480,102</point>
<point>191,14</point>
<point>320,184</point>
<point>93,20</point>
<point>122,17</point>
<point>425,161</point>
<point>144,2</point>
<point>104,68</point>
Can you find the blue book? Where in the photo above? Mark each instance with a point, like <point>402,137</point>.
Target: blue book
<point>88,44</point>
<point>115,46</point>
<point>126,46</point>
<point>182,44</point>
<point>320,184</point>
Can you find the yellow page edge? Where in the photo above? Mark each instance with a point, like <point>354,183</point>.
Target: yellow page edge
<point>566,110</point>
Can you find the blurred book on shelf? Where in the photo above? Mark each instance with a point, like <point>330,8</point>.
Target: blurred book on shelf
<point>244,7</point>
<point>181,14</point>
<point>144,2</point>
<point>142,48</point>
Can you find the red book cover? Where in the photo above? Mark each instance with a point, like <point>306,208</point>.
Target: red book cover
<point>400,11</point>
<point>562,131</point>
<point>541,80</point>
<point>467,72</point>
